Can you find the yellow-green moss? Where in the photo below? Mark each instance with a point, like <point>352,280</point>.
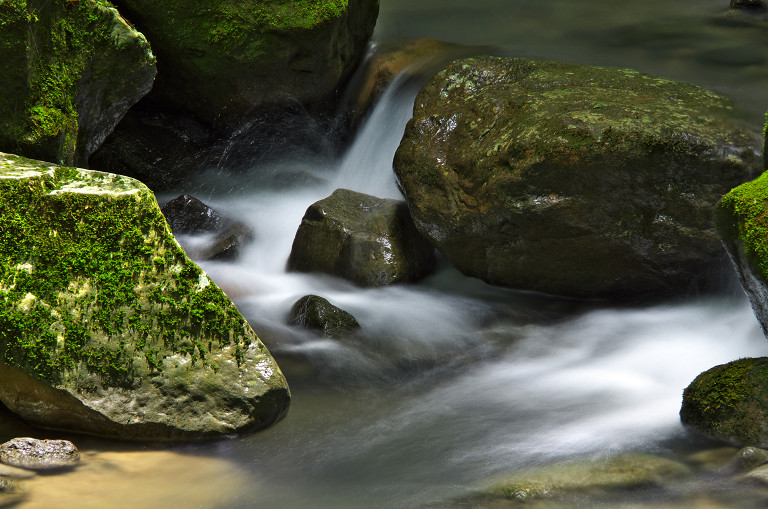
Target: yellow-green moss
<point>742,215</point>
<point>91,279</point>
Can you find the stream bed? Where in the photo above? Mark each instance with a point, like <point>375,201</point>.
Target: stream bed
<point>452,382</point>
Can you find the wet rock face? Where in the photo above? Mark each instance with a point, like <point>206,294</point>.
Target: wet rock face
<point>367,240</point>
<point>748,4</point>
<point>71,70</point>
<point>740,219</point>
<point>730,403</point>
<point>107,328</point>
<point>222,60</point>
<point>39,454</point>
<point>188,215</point>
<point>316,313</point>
<point>572,180</point>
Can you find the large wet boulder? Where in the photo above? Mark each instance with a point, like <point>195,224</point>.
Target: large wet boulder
<point>70,72</point>
<point>730,403</point>
<point>741,222</point>
<point>107,328</point>
<point>367,240</point>
<point>572,180</point>
<point>223,60</point>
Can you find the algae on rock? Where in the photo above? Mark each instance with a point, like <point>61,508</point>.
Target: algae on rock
<point>573,180</point>
<point>70,72</point>
<point>221,60</point>
<point>106,327</point>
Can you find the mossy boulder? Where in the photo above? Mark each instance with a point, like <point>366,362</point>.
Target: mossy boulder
<point>572,180</point>
<point>107,328</point>
<point>741,222</point>
<point>222,60</point>
<point>367,240</point>
<point>730,403</point>
<point>316,313</point>
<point>589,477</point>
<point>70,72</point>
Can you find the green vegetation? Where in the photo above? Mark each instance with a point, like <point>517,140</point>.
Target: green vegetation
<point>97,283</point>
<point>743,214</point>
<point>729,402</point>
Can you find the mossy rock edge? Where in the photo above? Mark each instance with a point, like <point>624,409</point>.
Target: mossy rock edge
<point>107,327</point>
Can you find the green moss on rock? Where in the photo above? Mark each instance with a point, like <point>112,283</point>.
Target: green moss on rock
<point>730,403</point>
<point>572,180</point>
<point>98,298</point>
<point>221,60</point>
<point>71,70</point>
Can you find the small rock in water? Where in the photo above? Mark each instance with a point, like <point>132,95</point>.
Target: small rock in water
<point>39,454</point>
<point>749,458</point>
<point>747,4</point>
<point>313,312</point>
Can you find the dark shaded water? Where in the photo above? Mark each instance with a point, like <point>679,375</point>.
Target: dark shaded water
<point>453,381</point>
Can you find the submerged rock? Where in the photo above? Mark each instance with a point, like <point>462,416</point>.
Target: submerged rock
<point>572,180</point>
<point>221,61</point>
<point>730,403</point>
<point>367,240</point>
<point>316,313</point>
<point>741,224</point>
<point>588,477</point>
<point>748,4</point>
<point>107,328</point>
<point>70,72</point>
<point>37,454</point>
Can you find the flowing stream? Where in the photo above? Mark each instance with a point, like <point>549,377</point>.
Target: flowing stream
<point>452,382</point>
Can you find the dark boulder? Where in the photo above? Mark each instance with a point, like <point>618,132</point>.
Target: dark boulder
<point>367,240</point>
<point>316,313</point>
<point>221,61</point>
<point>572,180</point>
<point>188,215</point>
<point>70,72</point>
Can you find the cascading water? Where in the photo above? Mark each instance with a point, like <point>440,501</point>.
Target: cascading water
<point>452,381</point>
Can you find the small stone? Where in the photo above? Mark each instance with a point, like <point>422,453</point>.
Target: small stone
<point>749,458</point>
<point>37,454</point>
<point>314,312</point>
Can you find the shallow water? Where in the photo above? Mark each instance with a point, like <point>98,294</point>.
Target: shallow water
<point>452,381</point>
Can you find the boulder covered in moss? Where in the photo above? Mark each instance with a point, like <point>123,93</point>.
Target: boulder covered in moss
<point>107,328</point>
<point>741,222</point>
<point>367,240</point>
<point>572,180</point>
<point>70,72</point>
<point>730,403</point>
<point>223,60</point>
<point>316,313</point>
